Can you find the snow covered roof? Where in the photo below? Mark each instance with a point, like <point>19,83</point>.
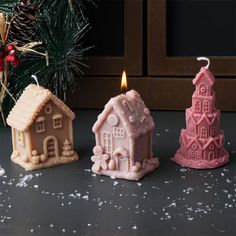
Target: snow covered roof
<point>204,72</point>
<point>132,112</point>
<point>30,104</point>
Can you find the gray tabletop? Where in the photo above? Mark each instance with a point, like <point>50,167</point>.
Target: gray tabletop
<point>70,200</point>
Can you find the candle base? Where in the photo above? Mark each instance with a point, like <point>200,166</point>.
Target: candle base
<point>49,163</point>
<point>200,164</point>
<point>150,165</point>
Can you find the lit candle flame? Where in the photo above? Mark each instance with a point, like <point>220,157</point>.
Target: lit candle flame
<point>124,85</point>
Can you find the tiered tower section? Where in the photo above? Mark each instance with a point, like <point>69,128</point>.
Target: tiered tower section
<point>202,142</point>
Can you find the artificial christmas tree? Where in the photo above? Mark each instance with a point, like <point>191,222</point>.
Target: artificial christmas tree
<point>47,36</point>
<point>202,142</point>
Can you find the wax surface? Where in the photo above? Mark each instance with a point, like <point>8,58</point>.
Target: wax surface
<point>202,142</point>
<point>42,132</point>
<point>124,138</point>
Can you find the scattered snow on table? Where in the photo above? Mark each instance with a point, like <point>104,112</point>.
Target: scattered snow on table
<point>137,199</point>
<point>2,171</point>
<point>23,182</point>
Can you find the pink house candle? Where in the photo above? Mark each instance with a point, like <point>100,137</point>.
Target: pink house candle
<point>202,142</point>
<point>124,138</point>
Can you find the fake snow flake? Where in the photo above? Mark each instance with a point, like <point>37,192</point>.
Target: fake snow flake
<point>38,174</point>
<point>116,183</point>
<point>173,204</point>
<point>36,186</point>
<point>155,187</point>
<point>2,171</point>
<point>134,227</point>
<point>188,190</point>
<point>23,181</point>
<point>183,170</point>
<point>86,197</point>
<point>139,184</point>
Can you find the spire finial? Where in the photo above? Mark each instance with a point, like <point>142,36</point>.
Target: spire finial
<point>204,59</point>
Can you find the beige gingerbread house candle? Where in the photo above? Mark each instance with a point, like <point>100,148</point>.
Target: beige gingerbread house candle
<point>42,132</point>
<point>124,138</point>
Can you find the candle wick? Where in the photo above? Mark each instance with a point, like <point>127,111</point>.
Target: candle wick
<point>204,59</point>
<point>36,80</point>
<point>124,90</point>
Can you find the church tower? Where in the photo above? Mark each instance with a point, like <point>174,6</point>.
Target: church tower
<point>202,142</point>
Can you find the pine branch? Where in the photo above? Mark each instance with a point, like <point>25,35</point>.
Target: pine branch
<point>66,52</point>
<point>7,5</point>
<point>67,7</point>
<point>61,31</point>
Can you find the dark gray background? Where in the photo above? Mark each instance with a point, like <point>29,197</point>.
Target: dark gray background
<point>194,27</point>
<point>170,201</point>
<point>201,27</point>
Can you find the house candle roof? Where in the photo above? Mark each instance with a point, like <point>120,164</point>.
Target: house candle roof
<point>30,103</point>
<point>132,112</point>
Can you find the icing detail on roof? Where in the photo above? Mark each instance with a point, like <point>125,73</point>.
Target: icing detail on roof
<point>131,111</point>
<point>30,103</point>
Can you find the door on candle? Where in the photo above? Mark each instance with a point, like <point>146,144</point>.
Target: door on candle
<point>51,147</point>
<point>211,156</point>
<point>123,163</point>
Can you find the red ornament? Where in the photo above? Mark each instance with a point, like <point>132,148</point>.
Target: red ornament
<point>16,62</point>
<point>1,60</point>
<point>11,58</point>
<point>1,68</point>
<point>10,47</point>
